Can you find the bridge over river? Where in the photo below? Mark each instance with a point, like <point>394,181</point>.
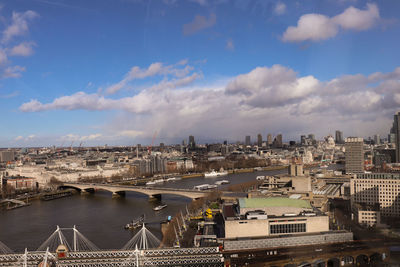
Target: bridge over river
<point>119,190</point>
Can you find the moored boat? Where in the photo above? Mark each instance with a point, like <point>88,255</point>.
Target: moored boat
<point>213,174</point>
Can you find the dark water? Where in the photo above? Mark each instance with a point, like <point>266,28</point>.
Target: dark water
<point>98,216</point>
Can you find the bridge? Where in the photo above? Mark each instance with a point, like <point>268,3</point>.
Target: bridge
<point>205,256</point>
<point>119,190</point>
<point>142,250</point>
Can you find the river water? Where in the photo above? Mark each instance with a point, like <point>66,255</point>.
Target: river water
<point>99,217</point>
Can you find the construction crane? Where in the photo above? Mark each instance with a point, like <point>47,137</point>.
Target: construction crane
<point>152,143</point>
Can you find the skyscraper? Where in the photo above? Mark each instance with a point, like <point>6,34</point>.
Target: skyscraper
<point>396,131</point>
<point>192,144</point>
<point>278,141</point>
<point>269,139</point>
<point>338,137</point>
<point>247,141</point>
<point>354,155</point>
<point>259,140</point>
<point>377,139</point>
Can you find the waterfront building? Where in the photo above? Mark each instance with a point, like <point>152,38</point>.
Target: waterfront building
<point>381,189</point>
<point>354,155</point>
<point>258,217</point>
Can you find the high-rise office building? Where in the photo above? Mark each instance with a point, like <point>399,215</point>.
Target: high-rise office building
<point>338,137</point>
<point>377,139</point>
<point>396,131</point>
<point>269,139</point>
<point>192,143</point>
<point>303,139</point>
<point>354,155</point>
<point>247,141</point>
<point>278,141</point>
<point>311,137</point>
<point>259,140</point>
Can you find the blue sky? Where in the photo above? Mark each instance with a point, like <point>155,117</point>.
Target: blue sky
<point>114,72</point>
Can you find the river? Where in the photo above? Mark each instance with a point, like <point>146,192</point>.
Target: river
<point>99,217</point>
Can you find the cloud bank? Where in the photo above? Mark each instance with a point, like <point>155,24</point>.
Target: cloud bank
<point>275,99</point>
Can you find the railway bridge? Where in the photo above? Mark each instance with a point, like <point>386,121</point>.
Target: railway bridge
<point>119,190</point>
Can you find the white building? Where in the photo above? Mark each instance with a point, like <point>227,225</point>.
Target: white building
<point>377,189</point>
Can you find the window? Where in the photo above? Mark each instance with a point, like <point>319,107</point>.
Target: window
<point>288,228</point>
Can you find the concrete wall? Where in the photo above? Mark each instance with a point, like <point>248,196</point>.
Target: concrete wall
<point>301,184</point>
<point>333,237</point>
<point>246,228</point>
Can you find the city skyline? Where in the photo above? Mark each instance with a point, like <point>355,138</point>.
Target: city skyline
<point>183,68</point>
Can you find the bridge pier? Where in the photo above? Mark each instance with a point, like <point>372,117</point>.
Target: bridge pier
<point>155,197</point>
<point>86,192</point>
<point>118,194</point>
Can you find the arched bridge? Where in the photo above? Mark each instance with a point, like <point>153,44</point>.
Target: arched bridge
<point>150,191</point>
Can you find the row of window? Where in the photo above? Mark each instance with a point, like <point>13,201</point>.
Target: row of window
<point>287,228</point>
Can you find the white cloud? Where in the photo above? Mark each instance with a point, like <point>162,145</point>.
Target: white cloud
<point>316,27</point>
<point>13,72</point>
<point>18,138</point>
<point>280,8</point>
<point>230,45</point>
<point>199,23</point>
<point>155,69</point>
<point>355,19</point>
<point>23,49</point>
<point>248,102</point>
<point>78,138</point>
<point>19,25</point>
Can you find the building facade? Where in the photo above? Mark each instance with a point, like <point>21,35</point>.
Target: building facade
<point>380,189</point>
<point>354,155</point>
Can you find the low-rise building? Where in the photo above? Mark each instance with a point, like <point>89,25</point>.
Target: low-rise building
<point>260,217</point>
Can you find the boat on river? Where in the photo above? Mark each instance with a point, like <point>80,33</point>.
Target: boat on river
<point>213,174</point>
<point>222,182</point>
<point>160,207</point>
<point>135,223</point>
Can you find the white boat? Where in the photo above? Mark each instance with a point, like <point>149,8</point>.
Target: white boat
<point>158,208</point>
<point>159,181</point>
<point>201,187</point>
<point>213,174</point>
<point>260,177</point>
<point>151,183</point>
<point>212,186</point>
<point>222,182</point>
<point>173,179</point>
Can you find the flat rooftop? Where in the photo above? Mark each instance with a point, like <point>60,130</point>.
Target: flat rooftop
<point>273,202</point>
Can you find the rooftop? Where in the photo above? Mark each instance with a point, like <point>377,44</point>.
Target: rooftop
<point>273,202</point>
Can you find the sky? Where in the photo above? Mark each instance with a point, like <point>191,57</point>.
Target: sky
<point>119,72</point>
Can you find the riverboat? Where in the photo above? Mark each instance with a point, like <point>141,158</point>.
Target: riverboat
<point>135,223</point>
<point>160,207</point>
<point>213,174</point>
